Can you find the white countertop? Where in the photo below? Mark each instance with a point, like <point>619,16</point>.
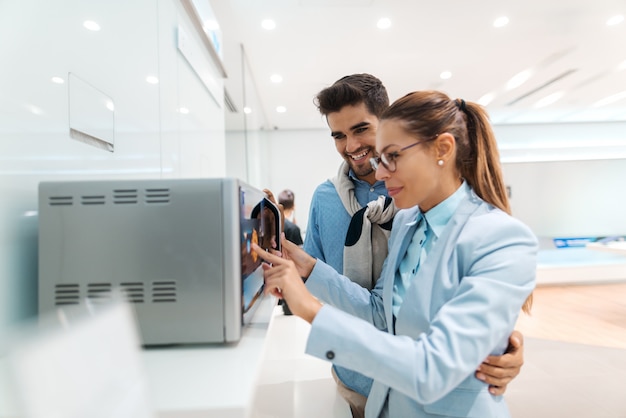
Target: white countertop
<point>216,380</point>
<point>612,246</point>
<point>210,380</point>
<point>292,383</point>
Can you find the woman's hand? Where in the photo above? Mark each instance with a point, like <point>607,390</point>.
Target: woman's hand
<point>283,280</point>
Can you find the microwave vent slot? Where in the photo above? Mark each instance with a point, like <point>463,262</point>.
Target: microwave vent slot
<point>99,292</point>
<point>66,294</point>
<point>164,291</point>
<point>125,196</point>
<point>60,200</point>
<point>133,292</point>
<point>92,200</point>
<point>159,196</point>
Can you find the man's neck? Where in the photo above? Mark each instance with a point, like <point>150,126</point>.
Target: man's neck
<point>370,178</point>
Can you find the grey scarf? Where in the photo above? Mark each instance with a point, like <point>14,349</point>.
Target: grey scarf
<point>365,247</point>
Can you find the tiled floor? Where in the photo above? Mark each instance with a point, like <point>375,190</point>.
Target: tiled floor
<point>575,378</point>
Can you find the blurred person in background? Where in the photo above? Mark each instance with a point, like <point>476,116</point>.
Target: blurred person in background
<point>292,230</point>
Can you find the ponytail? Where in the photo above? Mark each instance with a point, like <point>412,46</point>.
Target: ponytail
<point>483,172</point>
<point>479,162</point>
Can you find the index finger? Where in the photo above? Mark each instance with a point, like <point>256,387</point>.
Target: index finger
<point>265,255</point>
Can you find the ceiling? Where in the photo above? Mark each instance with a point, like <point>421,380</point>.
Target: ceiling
<point>566,46</point>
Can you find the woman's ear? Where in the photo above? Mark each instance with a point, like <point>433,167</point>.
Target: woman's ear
<point>445,146</point>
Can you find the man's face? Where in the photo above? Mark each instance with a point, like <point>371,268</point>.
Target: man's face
<point>354,130</point>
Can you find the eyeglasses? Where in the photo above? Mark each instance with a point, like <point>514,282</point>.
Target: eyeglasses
<point>388,159</point>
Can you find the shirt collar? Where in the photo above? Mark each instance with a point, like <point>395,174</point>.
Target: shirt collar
<point>354,178</point>
<point>439,216</point>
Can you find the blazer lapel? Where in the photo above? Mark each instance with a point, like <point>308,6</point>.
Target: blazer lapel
<point>415,310</point>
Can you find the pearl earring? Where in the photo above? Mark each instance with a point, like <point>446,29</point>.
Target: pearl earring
<point>440,163</point>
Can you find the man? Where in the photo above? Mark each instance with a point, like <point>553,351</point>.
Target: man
<point>350,217</point>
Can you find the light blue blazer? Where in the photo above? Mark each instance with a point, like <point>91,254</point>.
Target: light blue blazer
<point>462,306</point>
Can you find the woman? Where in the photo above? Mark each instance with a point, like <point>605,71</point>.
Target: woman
<point>458,271</point>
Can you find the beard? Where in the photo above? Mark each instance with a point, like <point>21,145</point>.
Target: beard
<point>360,170</point>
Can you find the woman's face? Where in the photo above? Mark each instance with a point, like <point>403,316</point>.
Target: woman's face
<point>417,179</point>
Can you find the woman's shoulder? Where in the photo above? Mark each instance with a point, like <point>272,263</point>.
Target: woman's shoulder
<point>491,221</point>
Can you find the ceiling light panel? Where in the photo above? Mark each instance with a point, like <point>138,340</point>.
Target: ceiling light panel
<point>268,24</point>
<point>518,79</point>
<point>91,25</point>
<point>384,23</point>
<point>615,20</point>
<point>501,22</point>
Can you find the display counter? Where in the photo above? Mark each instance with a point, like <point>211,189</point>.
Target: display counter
<point>612,246</point>
<point>210,380</point>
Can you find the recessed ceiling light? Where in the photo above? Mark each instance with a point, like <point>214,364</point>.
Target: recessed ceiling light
<point>91,25</point>
<point>384,23</point>
<point>276,78</point>
<point>615,20</point>
<point>183,110</point>
<point>57,80</point>
<point>445,75</point>
<point>622,66</point>
<point>268,24</point>
<point>501,22</point>
<point>247,110</point>
<point>518,79</point>
<point>611,99</point>
<point>486,99</point>
<point>110,105</point>
<point>549,99</point>
<point>281,109</point>
<point>35,110</point>
<point>152,79</point>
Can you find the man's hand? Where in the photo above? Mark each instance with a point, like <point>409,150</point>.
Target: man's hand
<point>303,261</point>
<point>499,371</point>
<point>281,208</point>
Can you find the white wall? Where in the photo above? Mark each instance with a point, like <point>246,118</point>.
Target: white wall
<point>300,160</point>
<point>569,198</point>
<point>152,139</point>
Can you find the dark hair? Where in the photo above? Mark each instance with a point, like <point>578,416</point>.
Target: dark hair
<point>286,198</point>
<point>352,90</point>
<point>425,114</point>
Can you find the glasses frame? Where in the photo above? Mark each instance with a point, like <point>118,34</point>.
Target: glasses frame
<point>376,162</point>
